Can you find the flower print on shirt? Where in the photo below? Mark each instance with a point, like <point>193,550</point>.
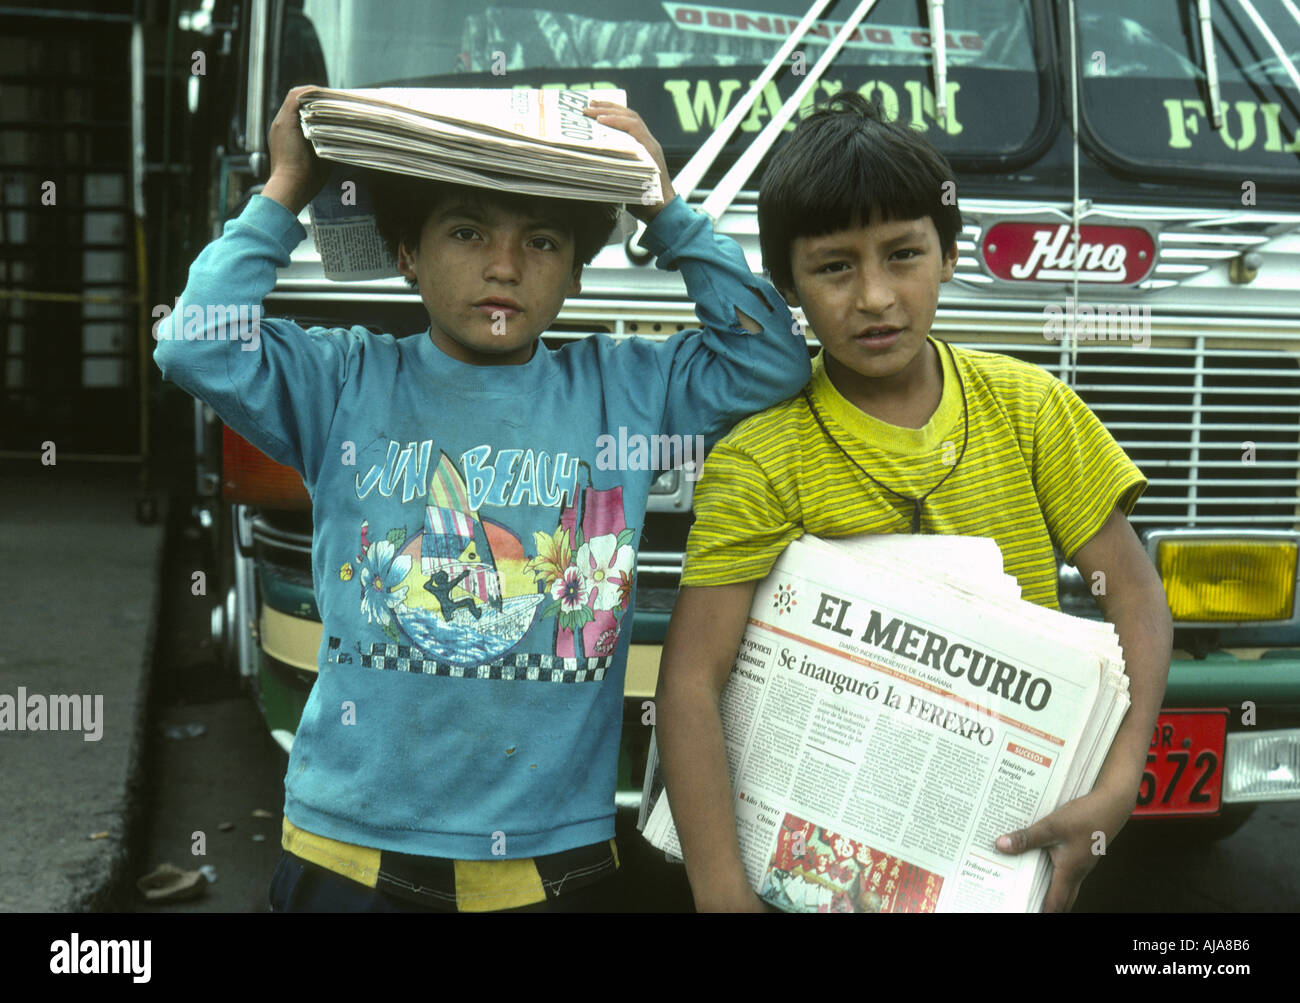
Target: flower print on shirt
<point>587,566</point>
<point>381,575</point>
<point>603,562</point>
<point>570,591</point>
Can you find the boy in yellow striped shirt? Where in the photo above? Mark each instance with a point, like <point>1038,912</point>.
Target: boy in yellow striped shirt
<point>896,433</point>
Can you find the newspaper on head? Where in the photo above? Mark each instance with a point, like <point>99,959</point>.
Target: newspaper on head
<point>894,707</point>
<point>533,142</point>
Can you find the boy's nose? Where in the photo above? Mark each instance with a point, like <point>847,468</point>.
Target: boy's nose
<point>503,261</point>
<point>875,292</point>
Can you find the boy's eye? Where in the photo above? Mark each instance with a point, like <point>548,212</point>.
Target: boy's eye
<point>460,232</point>
<point>834,266</point>
<point>911,252</point>
<point>545,243</point>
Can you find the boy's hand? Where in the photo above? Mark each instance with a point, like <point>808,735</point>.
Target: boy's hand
<point>618,117</point>
<point>1069,834</point>
<point>297,174</point>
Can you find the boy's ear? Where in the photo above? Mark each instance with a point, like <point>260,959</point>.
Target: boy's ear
<point>789,295</point>
<point>405,261</point>
<point>949,263</point>
<point>575,286</point>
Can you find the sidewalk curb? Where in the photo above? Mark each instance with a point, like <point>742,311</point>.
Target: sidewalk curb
<point>116,890</point>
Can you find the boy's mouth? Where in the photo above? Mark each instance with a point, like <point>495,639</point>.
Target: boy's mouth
<point>498,304</point>
<point>878,337</point>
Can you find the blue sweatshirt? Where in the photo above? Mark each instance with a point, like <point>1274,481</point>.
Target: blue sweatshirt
<point>475,534</point>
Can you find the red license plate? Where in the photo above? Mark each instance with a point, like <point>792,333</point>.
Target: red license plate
<point>1184,770</point>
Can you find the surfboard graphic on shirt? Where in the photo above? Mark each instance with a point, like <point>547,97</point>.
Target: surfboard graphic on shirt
<point>469,620</point>
<point>455,547</point>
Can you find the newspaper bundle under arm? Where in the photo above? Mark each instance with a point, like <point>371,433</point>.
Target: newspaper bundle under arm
<point>894,707</point>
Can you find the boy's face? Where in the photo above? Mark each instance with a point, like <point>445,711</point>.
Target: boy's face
<point>492,278</point>
<point>870,292</point>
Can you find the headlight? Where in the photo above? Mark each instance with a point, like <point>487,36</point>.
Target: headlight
<point>1222,577</point>
<point>1262,766</point>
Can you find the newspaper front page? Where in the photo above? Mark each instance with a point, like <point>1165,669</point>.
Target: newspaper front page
<point>882,732</point>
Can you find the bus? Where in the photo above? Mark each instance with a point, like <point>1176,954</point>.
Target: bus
<point>1129,179</point>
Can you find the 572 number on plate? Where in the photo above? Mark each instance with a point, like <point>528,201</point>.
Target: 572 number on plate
<point>1184,768</point>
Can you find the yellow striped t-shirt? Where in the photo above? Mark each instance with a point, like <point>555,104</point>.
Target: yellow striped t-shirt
<point>1039,469</point>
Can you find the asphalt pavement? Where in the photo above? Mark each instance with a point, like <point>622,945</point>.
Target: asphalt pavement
<point>77,618</point>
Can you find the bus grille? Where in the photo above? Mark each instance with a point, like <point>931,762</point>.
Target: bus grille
<point>1213,423</point>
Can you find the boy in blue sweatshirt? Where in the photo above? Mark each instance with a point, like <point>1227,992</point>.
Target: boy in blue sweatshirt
<point>474,549</point>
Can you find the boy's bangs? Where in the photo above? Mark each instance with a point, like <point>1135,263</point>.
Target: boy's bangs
<point>404,203</point>
<point>858,187</point>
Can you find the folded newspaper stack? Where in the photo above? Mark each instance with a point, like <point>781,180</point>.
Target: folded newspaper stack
<point>895,706</point>
<point>537,142</point>
<point>533,142</point>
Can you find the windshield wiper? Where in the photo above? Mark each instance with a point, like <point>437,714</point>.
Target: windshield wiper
<point>939,53</point>
<point>689,176</point>
<point>1211,67</point>
<point>735,178</point>
<point>1271,39</point>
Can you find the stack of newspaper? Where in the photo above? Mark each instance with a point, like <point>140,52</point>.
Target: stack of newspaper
<point>533,142</point>
<point>895,706</point>
<point>536,142</point>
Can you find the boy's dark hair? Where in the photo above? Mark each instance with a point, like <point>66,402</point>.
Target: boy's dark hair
<point>403,204</point>
<point>844,164</point>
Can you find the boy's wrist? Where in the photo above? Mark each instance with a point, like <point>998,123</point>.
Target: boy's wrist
<point>665,232</point>
<point>290,191</point>
<point>647,212</point>
<point>276,221</point>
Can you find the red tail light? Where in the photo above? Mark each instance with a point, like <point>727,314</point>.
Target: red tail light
<point>250,477</point>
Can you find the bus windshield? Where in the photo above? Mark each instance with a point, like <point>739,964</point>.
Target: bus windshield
<point>683,64</point>
<point>1145,95</point>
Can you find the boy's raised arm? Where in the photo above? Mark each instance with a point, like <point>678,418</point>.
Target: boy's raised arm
<point>268,379</point>
<point>751,353</point>
<point>729,370</point>
<point>699,651</point>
